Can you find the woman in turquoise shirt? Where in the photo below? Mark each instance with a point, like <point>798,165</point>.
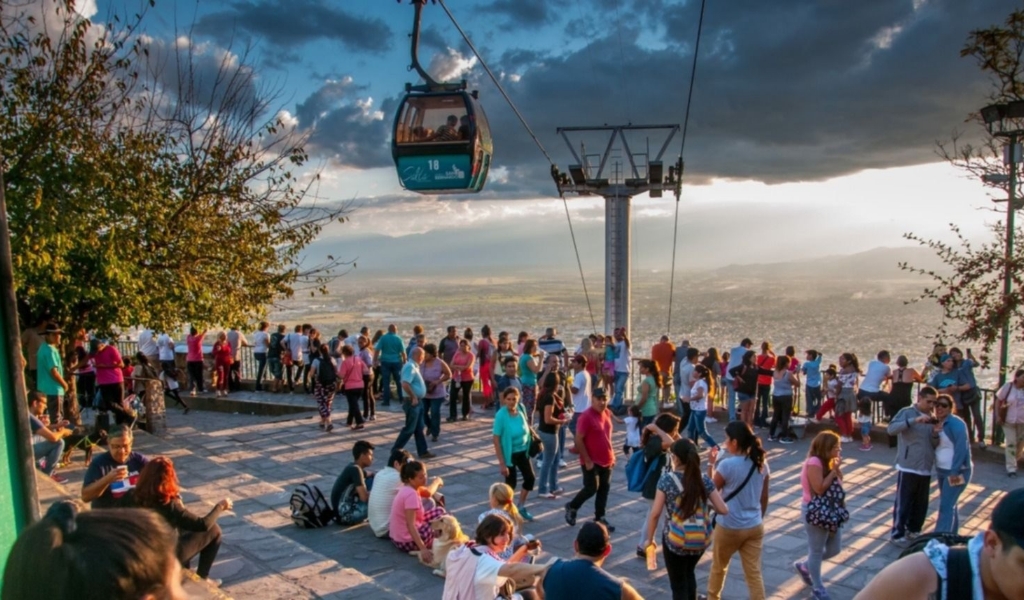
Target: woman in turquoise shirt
<point>511,445</point>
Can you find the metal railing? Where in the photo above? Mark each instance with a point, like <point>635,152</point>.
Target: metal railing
<point>129,348</point>
<point>993,431</point>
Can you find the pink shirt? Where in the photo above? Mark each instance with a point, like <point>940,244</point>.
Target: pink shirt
<point>109,355</point>
<point>407,498</point>
<point>351,373</point>
<point>804,482</point>
<point>461,366</point>
<point>195,348</point>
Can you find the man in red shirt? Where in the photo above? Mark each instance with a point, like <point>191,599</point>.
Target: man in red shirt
<point>664,355</point>
<point>594,442</point>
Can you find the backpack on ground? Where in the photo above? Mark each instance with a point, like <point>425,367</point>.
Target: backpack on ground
<point>637,472</point>
<point>959,575</point>
<point>310,510</point>
<point>325,373</point>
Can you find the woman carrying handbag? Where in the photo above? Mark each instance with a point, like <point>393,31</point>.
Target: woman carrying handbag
<point>824,509</point>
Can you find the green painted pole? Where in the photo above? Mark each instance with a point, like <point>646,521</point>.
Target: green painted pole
<point>1011,209</point>
<point>19,504</point>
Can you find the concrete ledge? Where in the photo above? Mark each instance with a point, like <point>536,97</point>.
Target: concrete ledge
<point>248,407</point>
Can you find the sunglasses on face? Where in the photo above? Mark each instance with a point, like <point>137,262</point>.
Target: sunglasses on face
<point>942,405</point>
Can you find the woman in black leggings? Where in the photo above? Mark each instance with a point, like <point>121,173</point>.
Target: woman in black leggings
<point>684,493</point>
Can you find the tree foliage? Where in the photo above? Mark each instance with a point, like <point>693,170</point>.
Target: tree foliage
<point>971,292</point>
<point>147,183</point>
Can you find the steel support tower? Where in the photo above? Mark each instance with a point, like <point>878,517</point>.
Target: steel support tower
<point>635,173</point>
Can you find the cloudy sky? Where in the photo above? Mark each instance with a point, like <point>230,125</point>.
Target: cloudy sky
<point>813,128</point>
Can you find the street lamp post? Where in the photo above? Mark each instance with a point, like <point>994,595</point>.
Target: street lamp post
<point>1007,121</point>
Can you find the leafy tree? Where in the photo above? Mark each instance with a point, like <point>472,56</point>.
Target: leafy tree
<point>971,291</point>
<point>143,186</point>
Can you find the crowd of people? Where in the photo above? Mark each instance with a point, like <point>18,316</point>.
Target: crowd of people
<point>541,392</point>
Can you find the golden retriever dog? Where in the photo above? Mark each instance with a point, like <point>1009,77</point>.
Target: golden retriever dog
<point>447,536</point>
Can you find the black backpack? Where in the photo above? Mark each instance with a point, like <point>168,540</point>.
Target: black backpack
<point>959,577</point>
<point>325,373</point>
<point>310,510</point>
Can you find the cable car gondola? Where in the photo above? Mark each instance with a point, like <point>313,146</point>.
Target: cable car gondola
<point>440,141</point>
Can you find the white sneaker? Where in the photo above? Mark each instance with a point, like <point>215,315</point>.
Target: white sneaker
<point>845,440</point>
<point>710,420</point>
<point>562,463</point>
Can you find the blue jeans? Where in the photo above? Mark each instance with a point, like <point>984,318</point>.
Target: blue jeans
<point>949,518</point>
<point>822,544</point>
<point>561,443</point>
<point>51,451</point>
<point>413,427</point>
<point>432,406</point>
<point>549,466</point>
<point>813,395</point>
<point>572,423</point>
<point>261,367</point>
<point>696,427</point>
<point>390,370</point>
<point>621,379</point>
<point>730,398</point>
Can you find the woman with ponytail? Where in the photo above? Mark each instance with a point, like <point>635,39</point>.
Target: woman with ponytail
<point>701,391</point>
<point>696,493</point>
<point>742,478</point>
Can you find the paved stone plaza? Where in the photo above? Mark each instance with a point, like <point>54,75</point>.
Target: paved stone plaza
<point>258,460</point>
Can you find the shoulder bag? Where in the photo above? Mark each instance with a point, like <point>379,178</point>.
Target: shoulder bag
<point>828,511</point>
<point>1003,406</point>
<point>732,494</point>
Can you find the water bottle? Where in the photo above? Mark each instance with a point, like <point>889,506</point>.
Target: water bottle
<point>652,558</point>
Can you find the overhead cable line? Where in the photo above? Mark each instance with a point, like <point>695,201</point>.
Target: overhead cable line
<point>540,146</point>
<point>682,149</point>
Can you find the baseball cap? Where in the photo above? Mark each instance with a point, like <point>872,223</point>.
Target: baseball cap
<point>599,392</point>
<point>1006,518</point>
<point>52,328</point>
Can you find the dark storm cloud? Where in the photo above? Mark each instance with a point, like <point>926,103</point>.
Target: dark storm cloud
<point>526,13</point>
<point>344,131</point>
<point>290,23</point>
<point>431,37</point>
<point>786,91</point>
<point>197,79</point>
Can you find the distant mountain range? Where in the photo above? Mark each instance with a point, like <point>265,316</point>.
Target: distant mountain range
<point>877,263</point>
<point>504,252</point>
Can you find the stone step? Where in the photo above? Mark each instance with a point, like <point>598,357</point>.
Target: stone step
<point>256,560</point>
